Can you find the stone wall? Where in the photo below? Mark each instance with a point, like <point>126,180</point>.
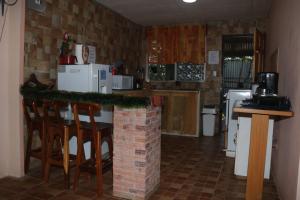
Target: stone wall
<point>215,30</point>
<point>88,22</point>
<point>137,152</point>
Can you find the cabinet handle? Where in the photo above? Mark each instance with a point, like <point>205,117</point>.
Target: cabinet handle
<point>235,138</point>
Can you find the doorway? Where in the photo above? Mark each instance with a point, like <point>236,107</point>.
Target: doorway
<point>237,60</point>
<point>237,67</point>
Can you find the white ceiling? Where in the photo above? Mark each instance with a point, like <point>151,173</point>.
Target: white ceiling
<point>158,12</point>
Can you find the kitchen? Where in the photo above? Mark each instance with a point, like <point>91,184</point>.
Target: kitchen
<point>114,30</point>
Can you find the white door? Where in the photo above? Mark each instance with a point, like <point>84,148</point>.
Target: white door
<point>234,96</point>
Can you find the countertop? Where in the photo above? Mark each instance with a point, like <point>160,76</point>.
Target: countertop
<point>155,90</point>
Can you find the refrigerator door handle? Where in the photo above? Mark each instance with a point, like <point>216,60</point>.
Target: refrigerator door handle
<point>227,112</point>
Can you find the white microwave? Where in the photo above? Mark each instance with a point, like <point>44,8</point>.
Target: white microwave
<point>122,82</point>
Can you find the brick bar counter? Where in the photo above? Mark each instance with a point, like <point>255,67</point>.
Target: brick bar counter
<point>137,152</point>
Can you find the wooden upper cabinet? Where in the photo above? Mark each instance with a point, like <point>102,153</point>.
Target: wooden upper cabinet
<point>191,44</point>
<point>184,43</point>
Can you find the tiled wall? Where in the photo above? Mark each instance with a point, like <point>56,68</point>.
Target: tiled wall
<point>137,150</point>
<point>214,42</point>
<point>114,36</point>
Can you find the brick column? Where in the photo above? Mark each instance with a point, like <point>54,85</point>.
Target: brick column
<point>136,162</point>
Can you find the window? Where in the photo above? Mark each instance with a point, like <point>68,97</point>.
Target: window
<point>184,72</point>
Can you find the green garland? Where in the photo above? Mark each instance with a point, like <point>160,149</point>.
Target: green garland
<point>41,93</point>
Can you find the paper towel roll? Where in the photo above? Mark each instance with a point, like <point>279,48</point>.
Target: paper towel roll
<point>78,53</point>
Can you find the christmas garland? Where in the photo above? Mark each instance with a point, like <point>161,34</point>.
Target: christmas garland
<point>41,93</point>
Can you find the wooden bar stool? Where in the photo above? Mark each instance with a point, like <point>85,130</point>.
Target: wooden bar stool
<point>59,131</point>
<point>97,133</point>
<point>34,122</point>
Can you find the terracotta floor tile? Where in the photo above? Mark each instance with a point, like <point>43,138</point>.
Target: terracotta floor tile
<point>7,194</point>
<point>191,169</point>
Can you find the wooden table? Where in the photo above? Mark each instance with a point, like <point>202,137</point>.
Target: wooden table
<point>257,150</point>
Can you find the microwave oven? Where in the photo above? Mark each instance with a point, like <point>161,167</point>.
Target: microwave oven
<point>122,82</point>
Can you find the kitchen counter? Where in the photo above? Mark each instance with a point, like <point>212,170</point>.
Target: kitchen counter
<point>156,90</point>
<point>176,90</point>
<point>258,146</point>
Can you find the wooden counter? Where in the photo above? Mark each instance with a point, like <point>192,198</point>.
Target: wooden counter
<point>257,150</point>
<point>180,110</point>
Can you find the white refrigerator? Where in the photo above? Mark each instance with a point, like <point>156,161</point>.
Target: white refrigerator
<point>87,78</point>
<point>234,97</point>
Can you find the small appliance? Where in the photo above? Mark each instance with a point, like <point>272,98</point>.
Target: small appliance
<point>268,83</point>
<point>122,82</point>
<point>85,78</point>
<point>85,54</point>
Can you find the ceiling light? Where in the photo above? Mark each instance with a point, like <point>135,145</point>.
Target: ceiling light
<point>189,1</point>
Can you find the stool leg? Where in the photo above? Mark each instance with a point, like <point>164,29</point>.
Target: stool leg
<point>79,157</point>
<point>43,148</point>
<point>99,176</point>
<point>28,149</point>
<point>110,146</point>
<point>66,156</point>
<point>48,157</point>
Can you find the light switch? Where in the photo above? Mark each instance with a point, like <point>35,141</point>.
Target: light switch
<point>37,5</point>
<point>214,73</point>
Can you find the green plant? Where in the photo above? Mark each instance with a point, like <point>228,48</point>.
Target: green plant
<point>67,45</point>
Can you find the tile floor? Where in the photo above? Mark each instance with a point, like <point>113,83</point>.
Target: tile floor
<point>191,169</point>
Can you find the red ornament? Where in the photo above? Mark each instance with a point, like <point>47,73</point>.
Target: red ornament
<point>66,36</point>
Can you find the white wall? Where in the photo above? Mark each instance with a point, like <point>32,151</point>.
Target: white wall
<point>283,32</point>
<point>11,75</point>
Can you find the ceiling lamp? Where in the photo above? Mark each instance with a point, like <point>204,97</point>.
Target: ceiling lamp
<point>189,1</point>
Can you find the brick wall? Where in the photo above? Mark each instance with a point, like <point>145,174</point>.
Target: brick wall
<point>114,36</point>
<point>137,140</point>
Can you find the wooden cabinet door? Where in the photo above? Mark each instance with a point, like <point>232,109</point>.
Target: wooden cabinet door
<point>180,112</point>
<point>171,44</point>
<point>176,116</point>
<point>259,51</point>
<point>165,109</point>
<point>191,115</point>
<point>167,41</point>
<point>191,44</point>
<point>184,118</point>
<point>153,47</point>
<point>162,44</point>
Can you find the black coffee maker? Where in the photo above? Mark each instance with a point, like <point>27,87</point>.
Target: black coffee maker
<point>266,96</point>
<point>267,84</point>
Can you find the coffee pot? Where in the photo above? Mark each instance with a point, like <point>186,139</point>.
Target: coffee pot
<point>267,83</point>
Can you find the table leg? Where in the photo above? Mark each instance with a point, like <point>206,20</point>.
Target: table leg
<point>257,156</point>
